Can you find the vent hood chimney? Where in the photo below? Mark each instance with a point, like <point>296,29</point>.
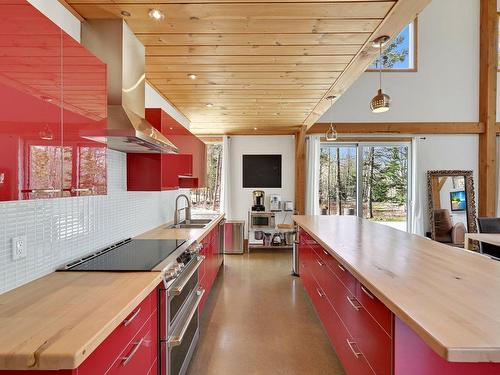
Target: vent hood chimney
<point>114,43</point>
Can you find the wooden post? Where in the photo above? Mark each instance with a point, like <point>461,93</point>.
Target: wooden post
<point>300,172</point>
<point>488,57</point>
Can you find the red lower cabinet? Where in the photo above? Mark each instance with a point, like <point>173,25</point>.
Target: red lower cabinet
<point>210,267</point>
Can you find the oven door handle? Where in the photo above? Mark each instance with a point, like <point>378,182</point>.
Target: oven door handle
<point>176,339</point>
<point>176,289</point>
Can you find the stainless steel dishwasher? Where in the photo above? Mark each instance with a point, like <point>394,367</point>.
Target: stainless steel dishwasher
<point>233,237</point>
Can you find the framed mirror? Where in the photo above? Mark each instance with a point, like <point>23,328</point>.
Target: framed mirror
<point>451,205</point>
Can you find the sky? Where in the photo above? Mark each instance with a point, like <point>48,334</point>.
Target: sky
<point>405,45</point>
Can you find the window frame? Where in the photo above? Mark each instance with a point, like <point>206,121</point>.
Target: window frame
<point>414,68</point>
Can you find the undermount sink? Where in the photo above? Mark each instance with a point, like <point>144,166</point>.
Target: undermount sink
<point>187,226</point>
<point>192,224</point>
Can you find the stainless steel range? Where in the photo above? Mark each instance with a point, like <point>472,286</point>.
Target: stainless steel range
<point>179,295</point>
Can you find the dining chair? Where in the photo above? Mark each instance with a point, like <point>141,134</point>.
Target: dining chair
<point>488,225</point>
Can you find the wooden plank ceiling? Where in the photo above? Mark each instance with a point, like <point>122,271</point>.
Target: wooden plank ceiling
<point>265,66</point>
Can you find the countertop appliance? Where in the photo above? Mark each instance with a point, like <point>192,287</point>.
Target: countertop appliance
<point>275,202</point>
<point>233,236</point>
<point>179,296</point>
<point>288,206</point>
<point>262,220</point>
<point>258,200</point>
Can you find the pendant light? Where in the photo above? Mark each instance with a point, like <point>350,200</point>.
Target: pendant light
<point>331,133</point>
<point>380,102</point>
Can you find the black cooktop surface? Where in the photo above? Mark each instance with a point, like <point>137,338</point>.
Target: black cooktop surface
<point>128,255</point>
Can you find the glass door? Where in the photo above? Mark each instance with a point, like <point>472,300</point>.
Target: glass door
<point>386,184</point>
<point>370,180</point>
<point>337,185</point>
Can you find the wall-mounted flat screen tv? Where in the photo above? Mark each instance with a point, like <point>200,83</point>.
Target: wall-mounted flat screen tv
<point>457,200</point>
<point>262,171</point>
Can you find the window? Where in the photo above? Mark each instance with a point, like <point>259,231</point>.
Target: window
<point>370,180</point>
<point>207,199</point>
<point>401,54</point>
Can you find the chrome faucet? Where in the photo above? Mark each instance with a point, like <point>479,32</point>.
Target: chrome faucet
<point>186,208</point>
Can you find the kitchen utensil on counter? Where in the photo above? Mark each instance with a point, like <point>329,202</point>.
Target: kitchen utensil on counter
<point>275,202</point>
<point>277,239</point>
<point>267,239</point>
<point>258,200</point>
<point>289,238</point>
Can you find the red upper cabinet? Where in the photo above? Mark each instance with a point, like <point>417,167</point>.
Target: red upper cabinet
<point>154,172</point>
<point>84,121</point>
<point>31,97</point>
<point>50,109</point>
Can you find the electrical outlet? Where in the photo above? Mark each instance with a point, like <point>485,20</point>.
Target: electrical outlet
<point>19,247</point>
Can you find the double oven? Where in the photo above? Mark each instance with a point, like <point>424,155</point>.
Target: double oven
<point>179,321</point>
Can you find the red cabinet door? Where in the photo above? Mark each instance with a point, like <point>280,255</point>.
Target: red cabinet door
<point>31,96</point>
<point>84,121</point>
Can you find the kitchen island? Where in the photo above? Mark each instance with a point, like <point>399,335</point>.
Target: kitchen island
<point>393,302</point>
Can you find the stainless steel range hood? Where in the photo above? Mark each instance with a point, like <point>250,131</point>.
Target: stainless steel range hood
<point>114,43</point>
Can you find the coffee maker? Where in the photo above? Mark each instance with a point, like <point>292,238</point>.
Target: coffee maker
<point>258,201</point>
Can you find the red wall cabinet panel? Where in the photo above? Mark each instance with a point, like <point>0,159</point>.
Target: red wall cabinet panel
<point>50,109</point>
<point>184,170</point>
<point>84,121</point>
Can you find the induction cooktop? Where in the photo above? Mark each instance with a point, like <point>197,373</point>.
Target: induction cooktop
<point>126,256</point>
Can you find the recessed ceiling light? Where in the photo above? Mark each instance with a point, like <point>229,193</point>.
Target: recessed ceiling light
<point>124,13</point>
<point>156,14</point>
<point>255,128</point>
<point>192,76</point>
<point>209,105</point>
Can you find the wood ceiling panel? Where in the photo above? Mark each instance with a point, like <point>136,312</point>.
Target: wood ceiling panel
<point>196,68</point>
<point>195,12</point>
<point>167,76</point>
<point>328,50</point>
<point>265,64</point>
<point>149,39</point>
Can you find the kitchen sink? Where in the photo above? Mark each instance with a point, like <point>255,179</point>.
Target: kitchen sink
<point>197,221</point>
<point>187,226</point>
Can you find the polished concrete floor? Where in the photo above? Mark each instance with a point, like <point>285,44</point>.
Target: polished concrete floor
<point>259,321</point>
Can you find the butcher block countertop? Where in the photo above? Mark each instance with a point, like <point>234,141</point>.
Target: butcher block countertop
<point>164,233</point>
<point>450,297</point>
<point>57,321</point>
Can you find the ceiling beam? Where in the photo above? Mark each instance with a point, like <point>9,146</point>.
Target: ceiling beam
<point>402,128</point>
<point>401,14</point>
<point>488,61</point>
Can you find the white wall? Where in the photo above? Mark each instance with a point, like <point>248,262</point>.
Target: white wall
<point>441,152</point>
<point>241,198</point>
<point>445,87</point>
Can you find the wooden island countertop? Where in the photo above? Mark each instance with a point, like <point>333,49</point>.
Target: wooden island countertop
<point>448,296</point>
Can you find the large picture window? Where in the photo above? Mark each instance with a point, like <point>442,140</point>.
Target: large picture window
<point>208,199</point>
<point>401,54</point>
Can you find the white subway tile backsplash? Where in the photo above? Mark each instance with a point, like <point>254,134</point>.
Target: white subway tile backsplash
<point>59,230</point>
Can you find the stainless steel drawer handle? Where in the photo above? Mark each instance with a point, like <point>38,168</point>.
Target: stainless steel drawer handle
<point>319,262</point>
<point>131,319</point>
<point>326,252</point>
<point>134,351</point>
<point>320,292</point>
<point>367,292</point>
<point>351,344</point>
<point>41,191</point>
<point>177,339</point>
<point>82,190</point>
<point>356,306</point>
<point>181,283</point>
<point>341,268</point>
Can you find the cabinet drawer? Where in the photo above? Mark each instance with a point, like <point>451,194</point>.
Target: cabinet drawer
<point>371,340</point>
<point>375,308</point>
<point>352,359</point>
<point>343,274</point>
<point>140,353</point>
<point>104,356</point>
